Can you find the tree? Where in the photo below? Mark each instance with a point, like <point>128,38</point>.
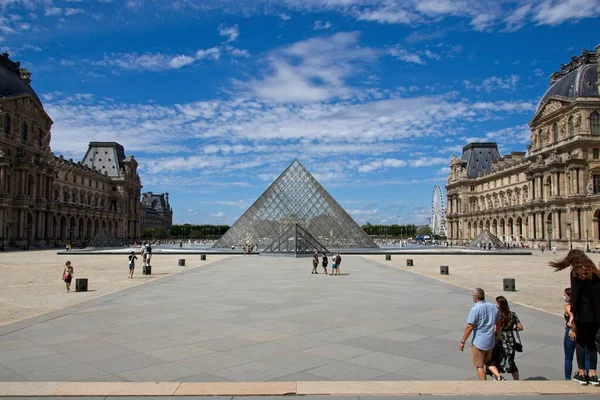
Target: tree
<point>424,230</point>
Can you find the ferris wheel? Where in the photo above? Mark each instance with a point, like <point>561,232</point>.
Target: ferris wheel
<point>438,213</point>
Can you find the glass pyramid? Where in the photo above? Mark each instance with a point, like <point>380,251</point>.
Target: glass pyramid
<point>296,197</point>
<point>295,241</point>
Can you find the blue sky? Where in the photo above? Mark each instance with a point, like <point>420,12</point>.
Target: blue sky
<point>215,98</point>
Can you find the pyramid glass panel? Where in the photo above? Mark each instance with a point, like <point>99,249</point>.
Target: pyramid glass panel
<point>296,198</point>
<point>295,241</point>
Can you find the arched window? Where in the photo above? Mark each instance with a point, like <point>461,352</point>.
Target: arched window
<point>555,132</point>
<point>596,154</point>
<point>6,124</point>
<point>595,123</point>
<point>40,137</point>
<point>24,131</point>
<point>571,126</point>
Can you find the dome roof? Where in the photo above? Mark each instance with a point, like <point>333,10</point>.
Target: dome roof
<point>11,83</point>
<point>580,82</point>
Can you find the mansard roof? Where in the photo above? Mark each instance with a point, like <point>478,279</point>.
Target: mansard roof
<point>479,158</point>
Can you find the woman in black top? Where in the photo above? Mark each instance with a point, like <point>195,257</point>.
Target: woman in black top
<point>585,311</point>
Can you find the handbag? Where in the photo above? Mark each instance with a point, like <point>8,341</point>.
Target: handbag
<point>518,345</point>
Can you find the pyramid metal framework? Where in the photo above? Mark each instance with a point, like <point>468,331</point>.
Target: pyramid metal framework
<point>295,241</point>
<point>296,197</point>
<point>486,237</point>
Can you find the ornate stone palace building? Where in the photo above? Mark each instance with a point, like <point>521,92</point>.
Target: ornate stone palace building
<point>47,200</point>
<point>156,211</point>
<point>550,194</point>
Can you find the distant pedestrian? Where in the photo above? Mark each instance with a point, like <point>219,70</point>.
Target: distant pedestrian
<point>67,275</point>
<point>338,261</point>
<point>542,248</point>
<point>585,311</point>
<point>148,254</point>
<point>483,322</point>
<point>143,253</point>
<point>569,340</point>
<point>132,259</point>
<point>509,322</point>
<point>333,265</point>
<point>554,249</point>
<point>325,261</point>
<point>315,262</point>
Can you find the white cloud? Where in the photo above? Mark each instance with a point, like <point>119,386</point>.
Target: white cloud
<point>320,25</point>
<point>404,55</point>
<point>220,214</point>
<point>494,83</point>
<point>362,212</point>
<point>230,32</point>
<point>312,70</point>
<point>554,12</point>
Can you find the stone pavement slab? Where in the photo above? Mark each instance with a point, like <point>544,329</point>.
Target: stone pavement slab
<point>261,318</point>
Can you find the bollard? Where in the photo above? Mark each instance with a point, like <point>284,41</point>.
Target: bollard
<point>509,285</point>
<point>81,284</point>
<point>202,257</point>
<point>444,270</point>
<point>147,270</point>
<point>409,262</point>
<point>388,257</point>
<point>182,262</point>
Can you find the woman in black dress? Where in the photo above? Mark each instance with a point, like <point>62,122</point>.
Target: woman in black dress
<point>67,275</point>
<point>509,323</point>
<point>585,311</point>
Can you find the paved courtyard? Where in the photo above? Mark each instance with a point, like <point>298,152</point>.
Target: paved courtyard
<point>268,319</point>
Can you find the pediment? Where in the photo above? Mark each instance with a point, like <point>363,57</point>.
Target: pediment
<point>550,106</point>
<point>28,102</point>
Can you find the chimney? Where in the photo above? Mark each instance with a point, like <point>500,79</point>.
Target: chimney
<point>167,197</point>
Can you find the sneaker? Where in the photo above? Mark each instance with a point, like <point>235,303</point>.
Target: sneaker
<point>593,380</point>
<point>501,378</point>
<point>581,379</point>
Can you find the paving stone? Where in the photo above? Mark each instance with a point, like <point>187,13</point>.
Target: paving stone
<point>22,354</point>
<point>297,343</point>
<point>158,373</point>
<point>343,371</point>
<point>259,351</point>
<point>383,361</point>
<point>126,363</point>
<point>213,362</point>
<point>227,343</point>
<point>253,372</point>
<point>337,351</point>
<point>101,353</point>
<point>264,336</point>
<point>39,363</point>
<point>73,372</point>
<point>299,361</point>
<point>180,352</point>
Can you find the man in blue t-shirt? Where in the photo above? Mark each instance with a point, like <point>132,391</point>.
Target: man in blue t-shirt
<point>484,322</point>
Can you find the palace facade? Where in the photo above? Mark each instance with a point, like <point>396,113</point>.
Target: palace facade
<point>156,211</point>
<point>549,194</point>
<point>47,200</point>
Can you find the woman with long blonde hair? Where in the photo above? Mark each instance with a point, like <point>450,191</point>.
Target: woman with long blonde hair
<point>585,311</point>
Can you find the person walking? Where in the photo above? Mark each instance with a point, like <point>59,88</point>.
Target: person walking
<point>67,275</point>
<point>338,261</point>
<point>132,259</point>
<point>315,262</point>
<point>585,311</point>
<point>569,340</point>
<point>509,322</point>
<point>483,322</point>
<point>143,253</point>
<point>325,261</point>
<point>148,254</point>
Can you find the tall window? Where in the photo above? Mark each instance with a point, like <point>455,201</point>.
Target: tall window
<point>24,131</point>
<point>6,124</point>
<point>39,137</point>
<point>596,154</point>
<point>595,123</point>
<point>571,126</point>
<point>555,132</point>
<point>596,184</point>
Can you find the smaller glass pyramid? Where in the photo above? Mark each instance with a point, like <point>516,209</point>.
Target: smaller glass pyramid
<point>486,237</point>
<point>295,241</point>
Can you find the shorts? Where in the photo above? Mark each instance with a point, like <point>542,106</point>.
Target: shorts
<point>334,266</point>
<point>148,257</point>
<point>481,358</point>
<point>131,267</point>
